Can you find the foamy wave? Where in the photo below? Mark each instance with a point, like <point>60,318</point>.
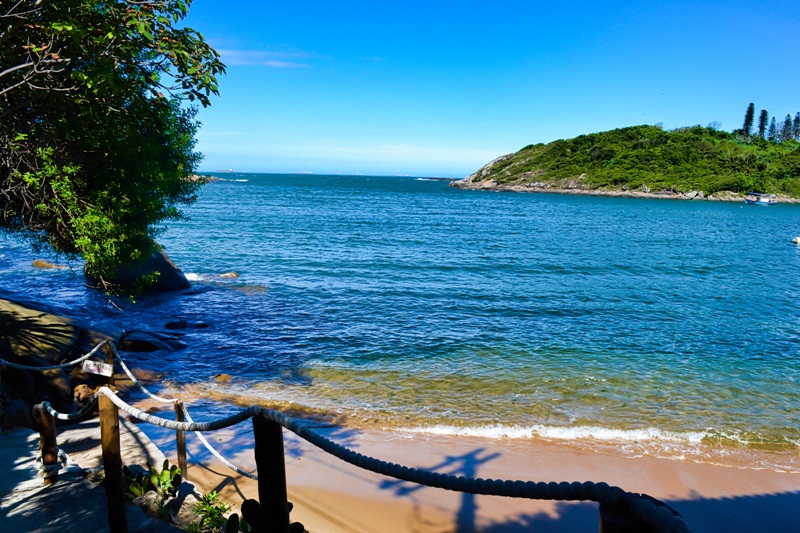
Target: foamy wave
<point>191,276</point>
<point>564,433</point>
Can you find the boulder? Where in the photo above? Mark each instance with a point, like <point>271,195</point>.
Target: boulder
<point>44,264</point>
<point>170,277</point>
<point>181,508</point>
<point>146,341</point>
<point>36,335</point>
<point>149,503</point>
<point>176,324</point>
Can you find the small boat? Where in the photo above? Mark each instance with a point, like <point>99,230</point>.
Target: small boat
<point>757,198</point>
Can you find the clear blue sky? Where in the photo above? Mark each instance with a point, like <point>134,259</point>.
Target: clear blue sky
<point>439,88</point>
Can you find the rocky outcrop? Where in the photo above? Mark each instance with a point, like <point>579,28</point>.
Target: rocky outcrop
<point>169,276</point>
<point>46,265</point>
<point>32,334</point>
<point>148,341</point>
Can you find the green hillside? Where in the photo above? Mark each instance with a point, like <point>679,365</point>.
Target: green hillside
<point>649,158</point>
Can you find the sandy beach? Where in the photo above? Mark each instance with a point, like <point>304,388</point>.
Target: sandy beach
<point>332,496</point>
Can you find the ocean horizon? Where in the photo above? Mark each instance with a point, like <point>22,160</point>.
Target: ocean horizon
<point>648,327</point>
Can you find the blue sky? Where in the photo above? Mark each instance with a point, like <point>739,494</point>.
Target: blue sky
<point>441,87</point>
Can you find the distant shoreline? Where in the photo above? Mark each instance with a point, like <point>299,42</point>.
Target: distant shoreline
<point>538,187</point>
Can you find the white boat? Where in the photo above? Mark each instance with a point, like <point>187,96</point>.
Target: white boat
<point>757,198</point>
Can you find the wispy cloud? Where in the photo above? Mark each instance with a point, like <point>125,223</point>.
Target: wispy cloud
<point>265,58</point>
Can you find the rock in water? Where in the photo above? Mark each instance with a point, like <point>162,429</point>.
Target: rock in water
<point>170,277</point>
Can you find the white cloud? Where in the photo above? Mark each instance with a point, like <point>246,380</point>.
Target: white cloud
<point>265,58</point>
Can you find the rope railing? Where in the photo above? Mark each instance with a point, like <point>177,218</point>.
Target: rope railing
<point>634,508</point>
<point>88,407</point>
<point>81,359</point>
<point>186,414</point>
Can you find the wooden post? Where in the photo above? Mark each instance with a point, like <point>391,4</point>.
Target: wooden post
<point>180,438</point>
<point>112,465</point>
<point>620,519</point>
<point>109,351</point>
<point>47,443</point>
<point>271,474</point>
<point>614,519</point>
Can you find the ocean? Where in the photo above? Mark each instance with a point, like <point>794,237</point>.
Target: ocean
<point>644,327</point>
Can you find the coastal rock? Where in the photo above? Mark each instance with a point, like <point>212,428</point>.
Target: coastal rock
<point>36,335</point>
<point>170,277</point>
<point>146,341</point>
<point>181,508</point>
<point>149,503</point>
<point>229,275</point>
<point>44,264</point>
<point>16,414</point>
<point>176,324</point>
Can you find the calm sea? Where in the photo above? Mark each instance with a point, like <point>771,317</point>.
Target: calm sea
<point>667,328</point>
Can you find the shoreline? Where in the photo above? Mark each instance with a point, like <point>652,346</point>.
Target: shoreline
<point>332,496</point>
<point>538,187</point>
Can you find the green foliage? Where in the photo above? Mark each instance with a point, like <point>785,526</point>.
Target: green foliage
<point>96,147</point>
<point>212,514</point>
<point>747,127</point>
<point>164,483</point>
<point>649,158</point>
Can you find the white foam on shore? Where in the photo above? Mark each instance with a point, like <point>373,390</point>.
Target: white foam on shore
<point>496,431</point>
<point>191,276</point>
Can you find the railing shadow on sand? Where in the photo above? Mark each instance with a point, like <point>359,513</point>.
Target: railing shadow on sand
<point>619,510</point>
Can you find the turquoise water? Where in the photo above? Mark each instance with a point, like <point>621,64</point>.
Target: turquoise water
<point>652,327</point>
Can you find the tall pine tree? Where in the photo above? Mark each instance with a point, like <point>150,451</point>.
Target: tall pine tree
<point>749,116</point>
<point>786,132</point>
<point>763,121</point>
<point>796,127</point>
<point>773,130</point>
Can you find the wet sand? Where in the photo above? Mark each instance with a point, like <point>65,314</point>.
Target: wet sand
<point>332,496</point>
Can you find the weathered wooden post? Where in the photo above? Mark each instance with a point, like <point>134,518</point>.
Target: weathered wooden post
<point>180,439</point>
<point>47,443</point>
<point>271,474</point>
<point>614,519</point>
<point>109,351</point>
<point>112,465</point>
<point>620,518</point>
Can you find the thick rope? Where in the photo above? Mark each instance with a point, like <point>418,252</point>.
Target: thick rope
<point>214,452</point>
<point>660,518</point>
<point>45,406</point>
<point>56,367</point>
<point>48,471</point>
<point>199,435</point>
<point>136,381</point>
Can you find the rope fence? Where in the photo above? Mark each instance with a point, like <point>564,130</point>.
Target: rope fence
<point>619,510</point>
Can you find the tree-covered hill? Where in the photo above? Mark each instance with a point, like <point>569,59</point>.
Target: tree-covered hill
<point>648,158</point>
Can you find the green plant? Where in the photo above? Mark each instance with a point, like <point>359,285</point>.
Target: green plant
<point>136,484</point>
<point>211,512</point>
<point>164,483</point>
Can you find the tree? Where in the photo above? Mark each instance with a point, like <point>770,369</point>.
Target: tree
<point>786,131</point>
<point>796,127</point>
<point>773,130</point>
<point>95,144</point>
<point>763,120</point>
<point>749,116</point>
